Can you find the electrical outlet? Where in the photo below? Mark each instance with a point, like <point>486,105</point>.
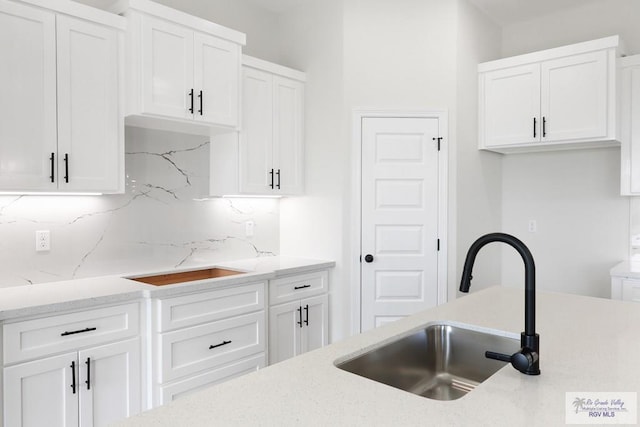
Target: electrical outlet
<point>248,228</point>
<point>43,241</point>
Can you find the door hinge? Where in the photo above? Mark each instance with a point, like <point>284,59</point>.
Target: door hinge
<point>438,245</point>
<point>439,139</point>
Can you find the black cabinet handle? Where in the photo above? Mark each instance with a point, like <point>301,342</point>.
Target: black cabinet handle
<point>201,109</point>
<point>219,345</point>
<point>300,316</point>
<point>295,288</point>
<point>66,167</point>
<point>278,173</point>
<point>306,314</point>
<point>65,333</point>
<point>271,173</point>
<point>88,381</point>
<point>534,127</point>
<point>53,165</point>
<point>368,258</point>
<point>544,127</point>
<point>73,376</point>
<point>191,96</point>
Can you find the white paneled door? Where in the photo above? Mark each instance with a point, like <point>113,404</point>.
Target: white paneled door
<point>399,236</point>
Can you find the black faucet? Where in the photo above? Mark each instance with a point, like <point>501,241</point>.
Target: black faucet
<point>526,360</point>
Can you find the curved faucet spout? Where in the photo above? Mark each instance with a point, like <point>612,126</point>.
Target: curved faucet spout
<point>529,338</point>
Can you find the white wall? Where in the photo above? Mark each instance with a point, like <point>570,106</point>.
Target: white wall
<point>591,21</point>
<point>583,223</point>
<point>478,174</point>
<point>260,25</point>
<point>391,55</point>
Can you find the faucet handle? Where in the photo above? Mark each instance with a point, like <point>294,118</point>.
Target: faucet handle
<point>524,360</point>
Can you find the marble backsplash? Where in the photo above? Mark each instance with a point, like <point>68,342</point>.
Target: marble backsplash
<point>164,220</point>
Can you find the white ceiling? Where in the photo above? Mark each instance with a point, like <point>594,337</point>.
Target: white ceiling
<point>501,11</point>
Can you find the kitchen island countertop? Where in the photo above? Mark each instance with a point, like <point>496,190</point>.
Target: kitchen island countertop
<point>586,344</point>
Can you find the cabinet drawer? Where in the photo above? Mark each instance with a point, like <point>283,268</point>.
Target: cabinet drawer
<point>631,290</point>
<point>299,286</point>
<point>40,337</point>
<point>203,307</point>
<point>190,350</point>
<point>178,389</point>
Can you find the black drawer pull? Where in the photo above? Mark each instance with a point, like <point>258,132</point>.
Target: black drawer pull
<point>53,166</point>
<point>73,376</point>
<point>65,333</point>
<point>88,381</point>
<point>66,168</point>
<point>219,345</point>
<point>301,287</point>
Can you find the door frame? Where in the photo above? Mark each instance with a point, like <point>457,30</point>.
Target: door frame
<point>356,200</point>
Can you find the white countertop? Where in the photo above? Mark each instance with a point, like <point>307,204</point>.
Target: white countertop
<point>586,344</point>
<point>43,298</point>
<point>630,268</point>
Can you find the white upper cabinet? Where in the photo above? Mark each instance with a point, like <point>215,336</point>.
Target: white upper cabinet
<point>266,157</point>
<point>90,126</point>
<point>559,98</point>
<point>28,102</point>
<point>183,72</point>
<point>629,96</point>
<point>61,126</point>
<point>511,105</point>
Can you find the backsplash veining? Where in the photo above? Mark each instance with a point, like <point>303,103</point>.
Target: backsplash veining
<point>164,220</point>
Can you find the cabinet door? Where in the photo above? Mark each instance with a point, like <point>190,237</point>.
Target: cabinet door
<point>216,74</point>
<point>40,393</point>
<point>315,333</point>
<point>288,99</point>
<point>285,326</point>
<point>167,69</point>
<point>631,290</point>
<point>89,144</point>
<point>256,138</point>
<point>28,97</point>
<point>109,383</point>
<point>575,97</point>
<point>630,129</point>
<point>510,106</point>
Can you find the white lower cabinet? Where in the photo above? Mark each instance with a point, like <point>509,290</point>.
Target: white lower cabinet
<point>84,385</point>
<point>298,315</point>
<point>194,383</point>
<point>204,338</point>
<point>297,327</point>
<point>625,289</point>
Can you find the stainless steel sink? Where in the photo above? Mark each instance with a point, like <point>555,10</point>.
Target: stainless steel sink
<point>442,361</point>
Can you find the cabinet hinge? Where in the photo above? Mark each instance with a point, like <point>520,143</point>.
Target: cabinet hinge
<point>439,139</point>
